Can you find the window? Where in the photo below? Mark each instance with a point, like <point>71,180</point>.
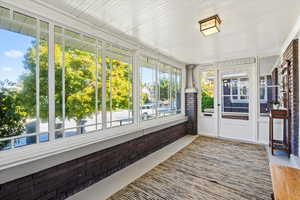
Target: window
<point>119,85</point>
<point>77,83</point>
<point>24,80</point>
<point>207,85</point>
<point>238,89</point>
<point>92,83</point>
<point>235,93</point>
<point>160,89</point>
<point>178,83</point>
<point>267,93</point>
<point>164,103</point>
<point>148,102</point>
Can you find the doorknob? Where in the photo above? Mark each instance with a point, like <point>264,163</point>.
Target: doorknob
<point>219,104</point>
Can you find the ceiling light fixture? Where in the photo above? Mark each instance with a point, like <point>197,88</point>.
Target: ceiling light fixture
<point>210,25</point>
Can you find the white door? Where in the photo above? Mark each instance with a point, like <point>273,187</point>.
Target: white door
<point>236,100</point>
<point>208,101</point>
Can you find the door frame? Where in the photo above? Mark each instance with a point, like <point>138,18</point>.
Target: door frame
<point>247,64</point>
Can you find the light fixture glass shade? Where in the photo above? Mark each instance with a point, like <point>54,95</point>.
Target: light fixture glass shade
<point>210,25</point>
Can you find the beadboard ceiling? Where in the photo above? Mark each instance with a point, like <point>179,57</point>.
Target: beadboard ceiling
<point>249,27</point>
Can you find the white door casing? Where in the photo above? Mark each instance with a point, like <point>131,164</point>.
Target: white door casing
<point>215,126</point>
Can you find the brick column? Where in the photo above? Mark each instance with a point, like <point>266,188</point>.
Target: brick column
<point>191,101</point>
<point>191,107</point>
<point>291,54</point>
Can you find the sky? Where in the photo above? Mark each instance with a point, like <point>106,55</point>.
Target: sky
<point>13,47</point>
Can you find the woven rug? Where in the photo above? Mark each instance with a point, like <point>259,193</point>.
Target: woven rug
<point>208,169</point>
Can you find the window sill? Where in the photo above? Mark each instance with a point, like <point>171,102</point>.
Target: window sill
<point>24,161</point>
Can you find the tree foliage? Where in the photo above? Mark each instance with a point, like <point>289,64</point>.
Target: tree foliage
<point>12,115</point>
<point>80,83</point>
<point>164,85</point>
<point>207,95</point>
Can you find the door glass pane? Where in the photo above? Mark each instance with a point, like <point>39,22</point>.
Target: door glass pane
<point>235,100</point>
<point>207,85</point>
<point>234,88</point>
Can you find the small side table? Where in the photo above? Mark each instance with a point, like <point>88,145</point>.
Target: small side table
<point>278,144</point>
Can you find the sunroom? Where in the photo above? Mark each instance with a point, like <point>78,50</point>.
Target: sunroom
<point>161,99</point>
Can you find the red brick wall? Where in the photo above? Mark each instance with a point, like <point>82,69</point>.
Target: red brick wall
<point>66,179</point>
<point>291,54</point>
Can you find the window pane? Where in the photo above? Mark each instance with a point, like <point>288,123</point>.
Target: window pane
<point>173,91</point>
<point>243,87</point>
<point>80,85</point>
<point>262,81</point>
<point>268,94</point>
<point>237,100</point>
<point>179,87</point>
<point>18,94</point>
<point>234,86</point>
<point>119,92</point>
<point>75,84</point>
<point>207,91</point>
<point>148,92</point>
<point>164,107</point>
<point>262,93</point>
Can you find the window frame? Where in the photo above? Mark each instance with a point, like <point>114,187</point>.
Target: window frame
<point>135,65</point>
<point>174,74</point>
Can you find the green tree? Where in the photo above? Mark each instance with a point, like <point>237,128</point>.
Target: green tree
<point>207,100</point>
<point>12,115</point>
<point>164,84</point>
<point>80,83</point>
<point>145,98</point>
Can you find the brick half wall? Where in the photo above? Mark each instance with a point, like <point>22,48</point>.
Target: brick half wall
<point>64,180</point>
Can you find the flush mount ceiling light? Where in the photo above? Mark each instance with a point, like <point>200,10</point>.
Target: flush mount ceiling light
<point>210,25</point>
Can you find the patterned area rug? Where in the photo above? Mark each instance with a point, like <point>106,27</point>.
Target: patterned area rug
<point>208,169</point>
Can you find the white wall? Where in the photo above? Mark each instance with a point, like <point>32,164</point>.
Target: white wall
<point>266,64</point>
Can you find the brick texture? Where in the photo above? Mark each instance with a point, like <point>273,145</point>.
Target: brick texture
<point>191,106</point>
<point>66,179</point>
<point>291,54</point>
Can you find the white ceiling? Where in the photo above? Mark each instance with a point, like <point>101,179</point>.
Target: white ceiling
<point>249,27</point>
